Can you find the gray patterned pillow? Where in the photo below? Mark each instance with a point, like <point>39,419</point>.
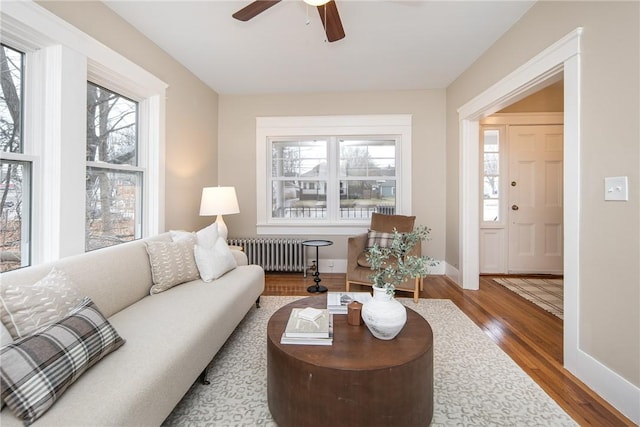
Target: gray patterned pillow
<point>172,263</point>
<point>30,306</point>
<point>36,370</point>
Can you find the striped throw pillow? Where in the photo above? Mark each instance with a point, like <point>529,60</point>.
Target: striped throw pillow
<point>383,240</point>
<point>36,370</point>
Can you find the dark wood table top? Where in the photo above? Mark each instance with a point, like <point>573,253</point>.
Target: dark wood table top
<point>354,348</point>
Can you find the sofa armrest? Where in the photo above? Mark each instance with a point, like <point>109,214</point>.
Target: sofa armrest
<point>355,247</point>
<point>241,257</point>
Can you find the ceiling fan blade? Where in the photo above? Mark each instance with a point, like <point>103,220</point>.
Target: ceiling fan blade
<point>254,9</point>
<point>332,24</point>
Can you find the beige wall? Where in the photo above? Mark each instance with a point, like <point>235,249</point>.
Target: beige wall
<point>191,109</point>
<point>609,247</point>
<point>237,149</point>
<point>547,100</point>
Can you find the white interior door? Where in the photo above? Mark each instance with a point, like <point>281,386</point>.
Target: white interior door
<point>535,199</point>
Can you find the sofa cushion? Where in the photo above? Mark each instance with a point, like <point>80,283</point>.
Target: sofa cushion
<point>215,261</point>
<point>387,223</point>
<point>5,335</point>
<point>172,263</point>
<point>362,260</point>
<point>36,370</point>
<point>26,307</point>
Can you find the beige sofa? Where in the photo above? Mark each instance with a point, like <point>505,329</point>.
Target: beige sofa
<point>170,337</point>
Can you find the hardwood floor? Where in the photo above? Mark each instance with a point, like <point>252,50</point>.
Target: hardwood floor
<point>529,335</point>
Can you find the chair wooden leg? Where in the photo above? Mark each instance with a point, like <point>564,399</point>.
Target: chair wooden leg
<point>347,286</point>
<point>416,293</point>
<point>422,284</point>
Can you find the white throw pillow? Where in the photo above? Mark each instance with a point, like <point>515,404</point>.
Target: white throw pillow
<point>30,306</point>
<point>208,236</point>
<point>215,261</point>
<point>179,235</point>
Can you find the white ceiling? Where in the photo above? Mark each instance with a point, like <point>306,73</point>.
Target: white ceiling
<point>389,44</point>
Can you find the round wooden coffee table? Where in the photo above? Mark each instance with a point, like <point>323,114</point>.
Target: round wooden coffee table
<point>359,380</point>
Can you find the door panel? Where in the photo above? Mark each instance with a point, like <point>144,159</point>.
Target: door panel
<point>535,199</point>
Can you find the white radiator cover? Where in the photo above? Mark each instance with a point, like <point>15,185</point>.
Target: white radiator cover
<point>285,255</point>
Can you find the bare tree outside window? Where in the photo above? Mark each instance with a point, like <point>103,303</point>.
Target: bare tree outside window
<point>114,180</point>
<point>15,186</point>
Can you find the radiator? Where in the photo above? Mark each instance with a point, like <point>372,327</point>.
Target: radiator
<point>273,254</point>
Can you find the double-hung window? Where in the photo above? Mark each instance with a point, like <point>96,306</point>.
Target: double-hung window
<point>327,175</point>
<point>15,165</point>
<point>90,172</point>
<point>114,179</point>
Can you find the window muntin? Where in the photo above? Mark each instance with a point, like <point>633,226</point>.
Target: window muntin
<point>114,181</point>
<point>15,168</point>
<point>491,175</point>
<point>333,179</point>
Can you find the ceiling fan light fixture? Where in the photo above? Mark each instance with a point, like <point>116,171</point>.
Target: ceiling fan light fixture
<point>316,2</point>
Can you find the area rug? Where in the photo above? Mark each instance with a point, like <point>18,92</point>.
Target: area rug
<point>475,382</point>
<point>547,294</point>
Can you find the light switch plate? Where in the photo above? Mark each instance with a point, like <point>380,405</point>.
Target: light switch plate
<point>616,188</point>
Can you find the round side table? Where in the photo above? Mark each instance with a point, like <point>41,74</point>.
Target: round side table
<point>316,276</point>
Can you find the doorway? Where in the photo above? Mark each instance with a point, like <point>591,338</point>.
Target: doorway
<point>521,180</point>
<point>560,59</point>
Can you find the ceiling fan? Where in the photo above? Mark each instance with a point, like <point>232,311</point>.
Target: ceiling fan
<point>327,9</point>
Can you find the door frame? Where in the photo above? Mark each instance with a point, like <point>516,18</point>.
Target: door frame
<point>563,57</point>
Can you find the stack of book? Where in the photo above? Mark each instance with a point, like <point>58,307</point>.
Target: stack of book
<point>337,302</point>
<point>308,326</point>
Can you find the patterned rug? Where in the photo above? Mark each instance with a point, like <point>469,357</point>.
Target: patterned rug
<point>547,294</point>
<point>475,382</point>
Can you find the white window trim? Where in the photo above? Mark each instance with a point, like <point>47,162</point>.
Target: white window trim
<point>270,127</point>
<point>47,39</point>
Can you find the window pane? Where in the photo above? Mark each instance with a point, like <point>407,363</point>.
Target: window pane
<point>491,138</point>
<point>491,187</point>
<point>113,207</point>
<point>112,131</point>
<point>299,199</point>
<point>11,67</point>
<point>367,158</point>
<point>491,164</point>
<point>299,158</point>
<point>359,199</point>
<point>491,211</point>
<point>15,197</point>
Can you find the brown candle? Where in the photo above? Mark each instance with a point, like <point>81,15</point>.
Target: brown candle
<point>354,310</point>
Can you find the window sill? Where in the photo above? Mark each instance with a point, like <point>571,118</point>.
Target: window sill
<point>309,229</point>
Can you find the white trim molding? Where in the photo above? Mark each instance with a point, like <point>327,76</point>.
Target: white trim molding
<point>60,60</point>
<point>396,125</point>
<point>560,59</point>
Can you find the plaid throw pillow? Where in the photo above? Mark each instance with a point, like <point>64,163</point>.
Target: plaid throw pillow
<point>383,240</point>
<point>36,370</point>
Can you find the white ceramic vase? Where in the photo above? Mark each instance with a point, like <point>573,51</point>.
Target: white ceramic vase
<point>384,316</point>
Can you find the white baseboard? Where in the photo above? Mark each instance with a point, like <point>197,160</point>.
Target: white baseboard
<point>613,388</point>
<point>452,273</point>
<point>340,266</point>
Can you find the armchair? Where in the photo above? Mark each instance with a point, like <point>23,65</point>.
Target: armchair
<point>358,269</point>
